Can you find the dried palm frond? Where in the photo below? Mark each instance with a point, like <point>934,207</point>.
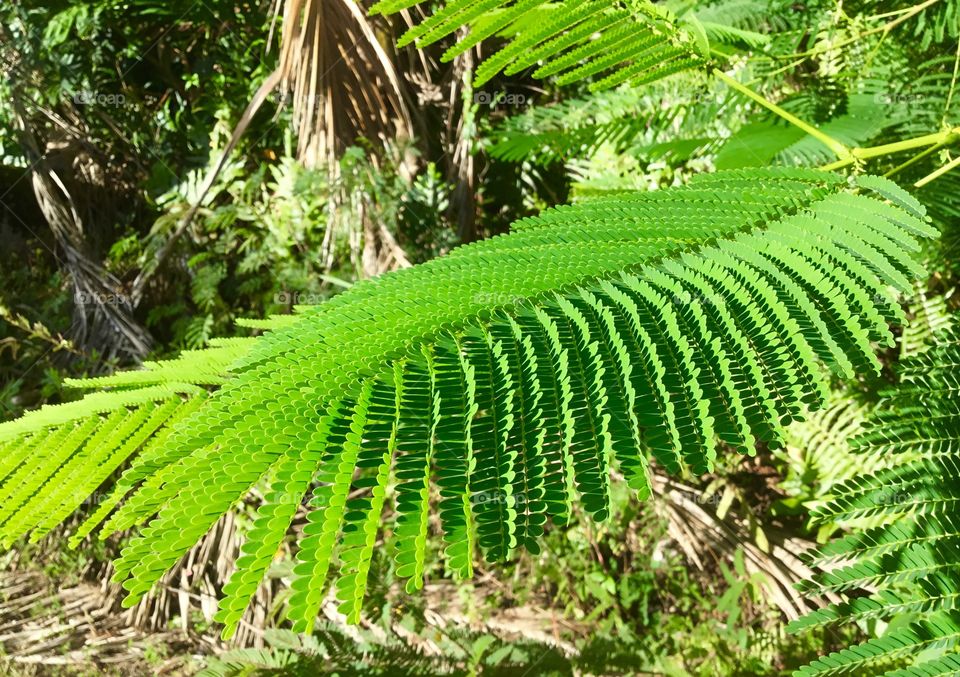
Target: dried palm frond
<point>704,534</point>
<point>45,627</point>
<point>103,315</point>
<point>41,621</point>
<point>341,82</point>
<point>342,85</point>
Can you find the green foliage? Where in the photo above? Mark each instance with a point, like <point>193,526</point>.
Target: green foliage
<point>649,323</point>
<point>620,599</point>
<point>482,404</point>
<point>644,608</point>
<point>909,562</point>
<point>832,69</point>
<point>159,110</point>
<point>818,456</point>
<point>636,42</point>
<point>331,651</point>
<point>622,119</point>
<point>771,141</point>
<point>937,23</point>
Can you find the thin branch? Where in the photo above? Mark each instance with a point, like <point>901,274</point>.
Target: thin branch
<point>953,164</point>
<point>885,28</point>
<point>856,154</point>
<point>140,283</point>
<point>916,158</point>
<point>840,150</point>
<point>953,84</point>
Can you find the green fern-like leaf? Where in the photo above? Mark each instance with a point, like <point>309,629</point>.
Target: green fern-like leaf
<point>911,561</point>
<point>501,384</point>
<point>621,119</point>
<point>59,455</point>
<point>609,43</point>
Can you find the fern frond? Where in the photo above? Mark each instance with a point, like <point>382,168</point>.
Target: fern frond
<point>911,561</point>
<point>758,16</point>
<point>818,451</point>
<point>730,35</point>
<point>208,366</point>
<point>621,119</point>
<point>930,318</point>
<point>573,126</point>
<point>502,383</point>
<point>60,454</point>
<point>922,101</point>
<point>91,405</point>
<point>937,631</point>
<point>610,43</point>
<point>938,23</point>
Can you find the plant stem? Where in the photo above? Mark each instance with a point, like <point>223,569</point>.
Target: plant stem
<point>940,138</point>
<point>885,28</point>
<point>916,158</point>
<point>953,84</point>
<point>953,164</point>
<point>838,148</point>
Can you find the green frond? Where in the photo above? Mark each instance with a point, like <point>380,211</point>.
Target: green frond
<point>60,454</point>
<point>818,452</point>
<point>930,317</point>
<point>608,43</point>
<point>622,119</point>
<point>936,593</point>
<point>943,203</point>
<point>731,35</point>
<point>910,561</point>
<point>573,126</point>
<point>90,406</point>
<point>938,23</point>
<point>938,631</point>
<point>144,466</point>
<point>945,665</point>
<point>499,385</point>
<point>750,15</point>
<point>207,366</point>
<point>923,101</point>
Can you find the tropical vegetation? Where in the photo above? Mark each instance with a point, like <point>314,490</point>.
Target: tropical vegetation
<point>326,314</point>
